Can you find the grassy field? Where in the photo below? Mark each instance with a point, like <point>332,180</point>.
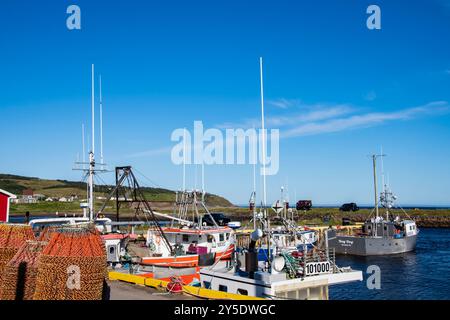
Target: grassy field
<point>63,188</point>
<point>163,199</point>
<point>162,202</point>
<point>316,216</point>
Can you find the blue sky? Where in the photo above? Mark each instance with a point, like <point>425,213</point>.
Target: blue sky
<point>336,90</point>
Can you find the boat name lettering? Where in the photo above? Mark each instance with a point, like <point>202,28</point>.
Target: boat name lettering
<point>346,243</point>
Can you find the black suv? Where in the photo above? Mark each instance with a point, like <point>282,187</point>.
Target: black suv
<point>304,205</point>
<point>349,207</point>
<point>219,218</point>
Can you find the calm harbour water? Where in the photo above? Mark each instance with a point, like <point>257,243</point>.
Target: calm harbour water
<point>419,275</point>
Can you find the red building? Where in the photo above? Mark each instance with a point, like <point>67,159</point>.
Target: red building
<point>5,197</point>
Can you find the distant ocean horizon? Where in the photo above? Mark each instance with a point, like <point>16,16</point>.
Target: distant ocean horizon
<point>368,206</point>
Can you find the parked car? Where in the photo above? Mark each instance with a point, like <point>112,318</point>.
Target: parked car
<point>349,207</point>
<point>219,218</point>
<point>304,205</point>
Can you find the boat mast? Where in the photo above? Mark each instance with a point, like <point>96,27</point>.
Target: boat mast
<point>203,181</point>
<point>83,145</point>
<point>384,198</point>
<point>101,123</point>
<point>264,159</point>
<point>184,160</point>
<point>263,134</point>
<point>374,160</point>
<point>253,196</point>
<point>90,170</point>
<point>91,154</point>
<point>382,173</point>
<point>374,163</point>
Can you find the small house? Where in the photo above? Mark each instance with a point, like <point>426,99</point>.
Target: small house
<point>5,198</point>
<point>28,196</point>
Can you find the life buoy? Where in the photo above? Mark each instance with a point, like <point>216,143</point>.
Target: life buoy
<point>175,285</point>
<point>158,240</point>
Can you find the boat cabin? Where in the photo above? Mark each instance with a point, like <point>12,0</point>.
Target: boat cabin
<point>382,228</point>
<point>191,241</point>
<point>102,224</point>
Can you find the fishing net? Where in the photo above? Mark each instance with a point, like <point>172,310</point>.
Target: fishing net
<point>72,266</point>
<point>12,237</point>
<point>19,275</point>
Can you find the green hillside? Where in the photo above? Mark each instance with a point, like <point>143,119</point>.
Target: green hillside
<point>63,188</point>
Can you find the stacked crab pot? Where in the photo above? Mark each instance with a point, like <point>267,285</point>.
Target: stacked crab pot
<point>12,237</point>
<point>20,273</point>
<point>72,266</point>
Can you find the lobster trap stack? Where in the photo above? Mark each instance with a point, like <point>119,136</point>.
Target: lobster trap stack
<point>12,237</point>
<point>72,266</point>
<point>19,275</point>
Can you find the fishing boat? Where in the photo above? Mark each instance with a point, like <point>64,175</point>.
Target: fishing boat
<point>39,224</point>
<point>289,234</point>
<point>288,272</point>
<point>380,235</point>
<point>193,244</point>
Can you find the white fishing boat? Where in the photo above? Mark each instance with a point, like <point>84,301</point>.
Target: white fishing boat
<point>287,273</point>
<point>289,234</point>
<point>189,242</point>
<point>39,224</point>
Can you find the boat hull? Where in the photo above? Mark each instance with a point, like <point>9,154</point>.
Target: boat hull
<point>372,246</point>
<point>184,261</point>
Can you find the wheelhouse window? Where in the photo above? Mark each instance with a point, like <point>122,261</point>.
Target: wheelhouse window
<point>185,238</point>
<point>221,237</point>
<point>223,288</point>
<point>242,292</point>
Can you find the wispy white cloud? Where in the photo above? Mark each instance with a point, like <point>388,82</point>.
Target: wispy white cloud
<point>314,113</point>
<point>307,113</point>
<point>283,103</point>
<point>366,120</point>
<point>326,118</point>
<point>322,119</point>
